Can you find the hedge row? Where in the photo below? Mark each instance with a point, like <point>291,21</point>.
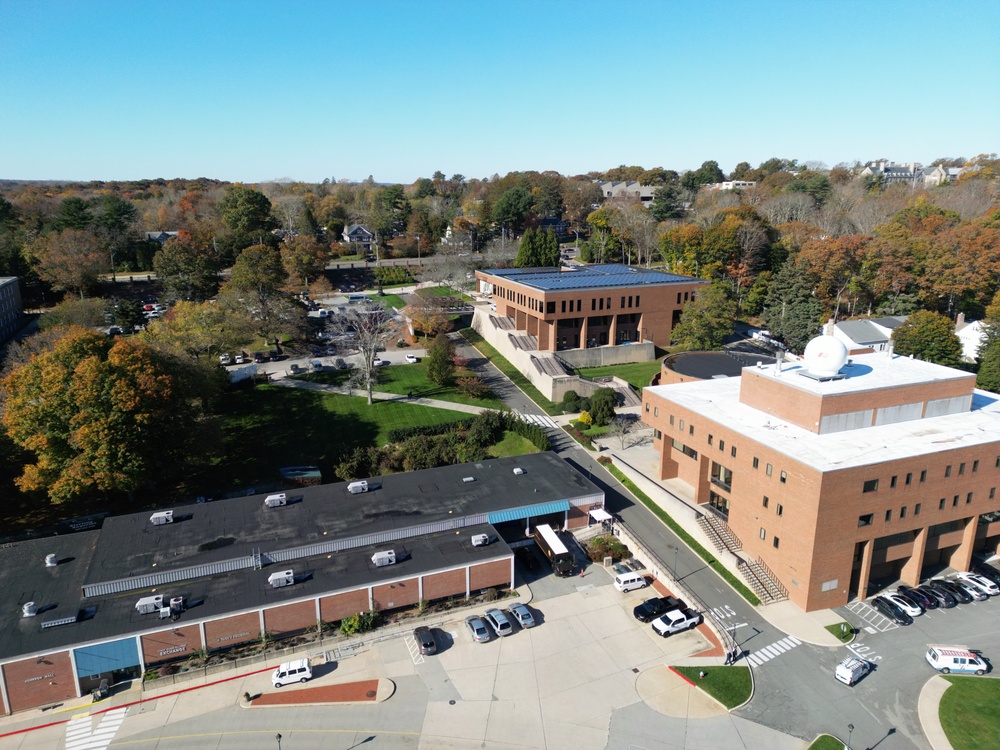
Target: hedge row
<point>675,527</point>
<point>399,434</point>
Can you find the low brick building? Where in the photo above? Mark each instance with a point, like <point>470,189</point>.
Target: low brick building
<point>76,619</point>
<point>835,473</point>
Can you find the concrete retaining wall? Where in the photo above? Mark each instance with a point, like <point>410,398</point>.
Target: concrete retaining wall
<point>601,356</point>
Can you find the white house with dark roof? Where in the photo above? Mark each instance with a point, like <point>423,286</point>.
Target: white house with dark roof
<point>868,333</point>
<point>627,189</point>
<point>971,334</point>
<point>359,235</point>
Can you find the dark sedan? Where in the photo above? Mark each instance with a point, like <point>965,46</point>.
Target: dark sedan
<point>650,609</point>
<point>960,594</point>
<point>918,597</point>
<point>944,599</point>
<point>892,611</point>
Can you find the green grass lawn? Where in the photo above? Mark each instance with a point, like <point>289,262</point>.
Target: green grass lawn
<point>512,445</point>
<point>638,374</point>
<point>268,427</point>
<point>731,686</point>
<point>443,291</point>
<point>845,635</point>
<point>515,376</point>
<point>968,712</point>
<point>393,300</point>
<point>826,742</point>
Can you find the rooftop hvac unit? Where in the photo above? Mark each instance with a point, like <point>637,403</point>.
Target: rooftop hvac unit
<point>164,516</point>
<point>274,501</point>
<point>177,603</point>
<point>480,540</point>
<point>51,561</point>
<point>468,480</point>
<point>284,578</point>
<point>29,609</point>
<point>518,470</point>
<point>149,604</point>
<point>381,559</point>
<point>165,612</point>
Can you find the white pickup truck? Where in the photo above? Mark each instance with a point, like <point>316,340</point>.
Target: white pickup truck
<point>676,621</point>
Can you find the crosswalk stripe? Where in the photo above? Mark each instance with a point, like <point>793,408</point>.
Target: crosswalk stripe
<point>794,640</point>
<point>779,647</point>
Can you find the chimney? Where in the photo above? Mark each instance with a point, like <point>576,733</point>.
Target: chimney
<point>960,320</point>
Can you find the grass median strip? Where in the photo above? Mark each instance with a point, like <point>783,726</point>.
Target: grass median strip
<point>826,742</point>
<point>703,553</point>
<point>968,712</point>
<point>731,686</point>
<point>515,376</point>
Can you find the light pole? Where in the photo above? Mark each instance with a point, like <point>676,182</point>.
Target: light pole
<point>850,731</point>
<point>674,548</point>
<point>418,251</point>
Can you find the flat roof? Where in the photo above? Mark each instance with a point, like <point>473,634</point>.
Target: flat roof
<point>718,400</point>
<point>226,529</point>
<point>705,365</point>
<point>57,590</point>
<point>609,275</point>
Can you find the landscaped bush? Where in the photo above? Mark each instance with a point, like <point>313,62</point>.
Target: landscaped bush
<point>585,420</point>
<point>473,387</point>
<point>604,460</point>
<point>393,275</point>
<point>606,546</point>
<point>360,623</point>
<point>585,441</point>
<point>402,433</point>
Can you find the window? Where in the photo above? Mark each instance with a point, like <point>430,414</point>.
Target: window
<point>732,451</point>
<point>888,516</point>
<point>871,485</point>
<point>961,468</point>
<point>954,502</point>
<point>975,466</point>
<point>550,308</point>
<point>710,439</point>
<point>564,305</point>
<point>637,300</point>
<point>593,303</point>
<point>916,509</point>
<point>763,533</point>
<point>623,303</point>
<point>947,471</point>
<point>766,500</point>
<point>630,301</point>
<point>968,498</point>
<point>678,298</point>
<point>579,305</point>
<point>691,429</point>
<point>923,476</point>
<point>830,585</point>
<point>892,483</point>
<point>657,434</point>
<point>602,303</point>
<point>689,452</point>
<point>780,510</point>
<point>909,478</point>
<point>756,462</point>
<point>941,504</point>
<point>775,541</point>
<point>609,303</point>
<point>784,477</point>
<point>671,420</point>
<point>902,513</point>
<point>682,425</point>
<point>647,407</point>
<point>656,411</point>
<point>767,470</point>
<point>993,492</point>
<point>722,445</point>
<point>865,520</point>
<point>722,476</point>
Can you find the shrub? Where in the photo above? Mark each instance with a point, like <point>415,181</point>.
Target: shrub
<point>392,275</point>
<point>400,434</point>
<point>473,387</point>
<point>606,546</point>
<point>585,419</point>
<point>602,406</point>
<point>604,460</point>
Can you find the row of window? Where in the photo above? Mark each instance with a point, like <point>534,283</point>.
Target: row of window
<point>871,485</point>
<point>775,541</point>
<point>868,518</point>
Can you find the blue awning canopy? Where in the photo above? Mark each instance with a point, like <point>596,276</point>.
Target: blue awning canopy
<point>557,506</point>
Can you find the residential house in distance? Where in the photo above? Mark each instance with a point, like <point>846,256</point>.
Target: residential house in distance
<point>869,334</point>
<point>358,235</point>
<point>628,190</point>
<point>11,311</point>
<point>934,176</point>
<point>971,335</point>
<point>161,237</point>
<point>894,174</point>
<point>731,185</point>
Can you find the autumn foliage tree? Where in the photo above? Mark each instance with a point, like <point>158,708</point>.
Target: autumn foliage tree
<point>928,336</point>
<point>70,261</point>
<point>99,414</point>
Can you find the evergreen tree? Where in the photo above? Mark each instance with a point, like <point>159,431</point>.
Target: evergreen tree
<point>666,203</point>
<point>602,406</point>
<point>929,336</point>
<point>792,312</point>
<point>707,321</point>
<point>440,360</point>
<point>548,249</point>
<point>989,367</point>
<point>527,250</point>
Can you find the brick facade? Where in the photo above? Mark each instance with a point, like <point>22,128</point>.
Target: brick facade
<point>395,595</point>
<point>496,573</point>
<point>40,681</point>
<point>336,607</point>
<point>231,631</point>
<point>168,645</point>
<point>291,618</point>
<point>441,585</point>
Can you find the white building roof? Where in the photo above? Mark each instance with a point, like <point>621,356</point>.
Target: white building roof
<point>718,401</point>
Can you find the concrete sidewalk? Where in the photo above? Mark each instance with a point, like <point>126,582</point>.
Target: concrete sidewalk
<point>378,395</point>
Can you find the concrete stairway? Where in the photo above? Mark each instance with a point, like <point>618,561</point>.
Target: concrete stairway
<point>762,582</point>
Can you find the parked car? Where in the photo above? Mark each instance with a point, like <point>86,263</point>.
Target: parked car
<point>259,357</point>
<point>944,598</point>
<point>676,621</point>
<point>425,640</point>
<point>499,622</point>
<point>891,610</point>
<point>650,609</point>
<point>379,362</point>
<point>521,615</point>
<point>911,608</point>
<point>960,595</point>
<point>969,588</point>
<point>412,359</point>
<point>948,659</point>
<point>987,571</point>
<point>983,583</point>
<point>225,359</point>
<point>477,628</point>
<point>917,596</point>
<point>240,359</point>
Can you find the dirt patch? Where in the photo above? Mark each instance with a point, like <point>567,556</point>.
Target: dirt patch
<point>350,692</point>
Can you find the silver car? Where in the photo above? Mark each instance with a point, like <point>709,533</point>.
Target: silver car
<point>477,628</point>
<point>521,615</point>
<point>499,622</point>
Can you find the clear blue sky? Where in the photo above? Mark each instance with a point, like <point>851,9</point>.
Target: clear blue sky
<point>253,91</point>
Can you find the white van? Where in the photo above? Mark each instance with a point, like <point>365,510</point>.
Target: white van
<point>356,488</point>
<point>629,581</point>
<point>851,669</point>
<point>292,671</point>
<point>948,659</point>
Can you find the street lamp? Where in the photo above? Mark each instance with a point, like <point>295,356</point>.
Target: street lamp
<point>278,738</point>
<point>674,548</point>
<point>850,731</point>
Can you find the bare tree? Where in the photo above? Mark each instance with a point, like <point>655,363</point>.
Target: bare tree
<point>288,209</point>
<point>970,198</point>
<point>369,326</point>
<point>621,427</point>
<point>788,207</point>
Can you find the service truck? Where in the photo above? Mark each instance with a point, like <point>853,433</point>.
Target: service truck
<point>555,551</point>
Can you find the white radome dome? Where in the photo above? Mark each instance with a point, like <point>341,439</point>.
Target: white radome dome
<point>824,356</point>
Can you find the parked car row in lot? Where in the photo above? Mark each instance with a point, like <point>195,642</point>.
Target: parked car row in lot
<point>499,622</point>
<point>908,602</point>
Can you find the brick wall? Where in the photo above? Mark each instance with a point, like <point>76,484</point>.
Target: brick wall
<point>395,595</point>
<point>291,618</point>
<point>168,645</point>
<point>230,631</point>
<point>31,683</point>
<point>338,606</point>
<point>496,573</point>
<point>441,585</point>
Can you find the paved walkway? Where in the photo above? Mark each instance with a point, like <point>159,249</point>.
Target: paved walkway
<point>928,708</point>
<point>378,395</point>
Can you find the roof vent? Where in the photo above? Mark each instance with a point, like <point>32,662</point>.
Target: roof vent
<point>161,518</point>
<point>51,561</point>
<point>468,480</point>
<point>29,609</point>
<point>518,470</point>
<point>381,559</point>
<point>56,621</point>
<point>284,578</point>
<point>149,604</point>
